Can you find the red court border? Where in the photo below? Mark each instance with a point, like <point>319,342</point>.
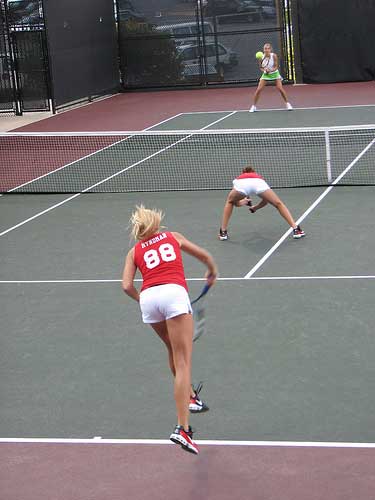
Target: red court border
<point>138,110</point>
<point>163,472</point>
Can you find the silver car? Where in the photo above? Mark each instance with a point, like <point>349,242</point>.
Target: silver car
<point>216,54</point>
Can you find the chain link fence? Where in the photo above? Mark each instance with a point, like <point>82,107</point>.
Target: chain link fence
<point>25,81</point>
<point>8,98</point>
<point>168,43</point>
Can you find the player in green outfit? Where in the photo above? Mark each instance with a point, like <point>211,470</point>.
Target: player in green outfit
<point>269,65</point>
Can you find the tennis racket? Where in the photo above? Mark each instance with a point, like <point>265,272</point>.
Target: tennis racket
<point>199,314</point>
<point>265,64</point>
<point>250,205</point>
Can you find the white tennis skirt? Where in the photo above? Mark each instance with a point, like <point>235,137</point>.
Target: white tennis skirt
<point>162,302</point>
<point>250,186</point>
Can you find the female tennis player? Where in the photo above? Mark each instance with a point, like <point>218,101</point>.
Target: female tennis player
<point>246,184</point>
<point>269,66</point>
<point>165,304</point>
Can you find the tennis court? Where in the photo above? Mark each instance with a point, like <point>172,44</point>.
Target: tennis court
<point>287,362</point>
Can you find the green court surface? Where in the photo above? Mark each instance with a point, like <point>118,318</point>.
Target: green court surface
<point>319,117</point>
<point>288,354</point>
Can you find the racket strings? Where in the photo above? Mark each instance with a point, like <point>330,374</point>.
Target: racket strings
<point>198,388</point>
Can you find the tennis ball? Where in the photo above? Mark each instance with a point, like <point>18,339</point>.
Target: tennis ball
<point>259,55</point>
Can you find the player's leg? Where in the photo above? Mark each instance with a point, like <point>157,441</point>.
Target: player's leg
<point>258,91</point>
<point>162,331</point>
<point>271,197</point>
<point>280,88</point>
<point>260,87</point>
<point>180,331</point>
<point>233,198</point>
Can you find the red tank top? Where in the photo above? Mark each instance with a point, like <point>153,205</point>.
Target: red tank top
<point>159,260</point>
<point>249,175</point>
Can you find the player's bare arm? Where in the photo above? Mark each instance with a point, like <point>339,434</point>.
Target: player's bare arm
<point>128,276</point>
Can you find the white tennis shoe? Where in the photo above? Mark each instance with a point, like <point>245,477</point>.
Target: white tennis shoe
<point>185,439</point>
<point>252,109</point>
<point>289,107</point>
<point>196,405</point>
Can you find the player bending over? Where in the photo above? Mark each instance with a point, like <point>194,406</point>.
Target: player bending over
<point>245,185</point>
<point>165,304</point>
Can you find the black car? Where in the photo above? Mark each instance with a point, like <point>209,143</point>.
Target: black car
<point>22,14</point>
<point>268,8</point>
<point>234,10</point>
<point>127,12</point>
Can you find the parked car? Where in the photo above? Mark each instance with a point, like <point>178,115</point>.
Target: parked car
<point>193,73</point>
<point>127,12</point>
<point>22,14</point>
<point>234,10</point>
<point>185,33</point>
<point>268,8</point>
<point>217,55</point>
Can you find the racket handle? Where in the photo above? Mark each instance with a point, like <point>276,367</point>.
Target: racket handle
<point>205,289</point>
<point>250,205</point>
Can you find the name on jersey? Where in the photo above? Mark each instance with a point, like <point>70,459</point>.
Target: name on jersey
<point>153,240</point>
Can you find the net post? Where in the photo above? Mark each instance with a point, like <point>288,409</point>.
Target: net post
<point>328,156</point>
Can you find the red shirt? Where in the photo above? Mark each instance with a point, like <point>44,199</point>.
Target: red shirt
<point>249,175</point>
<point>159,260</point>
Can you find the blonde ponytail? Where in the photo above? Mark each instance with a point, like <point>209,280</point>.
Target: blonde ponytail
<point>145,222</point>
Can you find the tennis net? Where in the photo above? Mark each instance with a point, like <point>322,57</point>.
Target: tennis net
<point>184,159</point>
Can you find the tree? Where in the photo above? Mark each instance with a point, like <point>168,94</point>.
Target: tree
<point>147,57</point>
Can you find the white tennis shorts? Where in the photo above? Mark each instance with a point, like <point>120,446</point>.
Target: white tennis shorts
<point>162,302</point>
<point>250,186</point>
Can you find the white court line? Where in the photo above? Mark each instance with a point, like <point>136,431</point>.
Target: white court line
<point>282,109</point>
<point>110,177</point>
<point>163,121</point>
<point>88,155</point>
<point>253,278</point>
<point>203,131</point>
<point>203,442</point>
<point>307,212</point>
<point>72,108</point>
<point>79,106</point>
